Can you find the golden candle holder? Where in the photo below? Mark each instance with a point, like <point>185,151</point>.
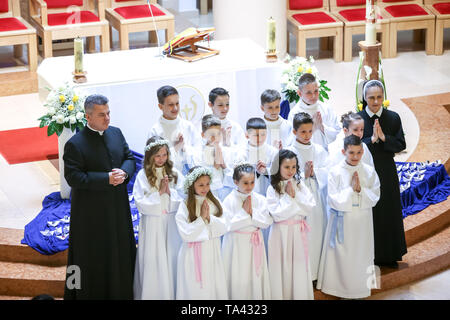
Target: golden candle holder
<point>79,77</point>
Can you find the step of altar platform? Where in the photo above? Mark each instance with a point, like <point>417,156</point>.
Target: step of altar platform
<point>426,223</point>
<point>21,82</point>
<point>26,279</point>
<point>11,250</point>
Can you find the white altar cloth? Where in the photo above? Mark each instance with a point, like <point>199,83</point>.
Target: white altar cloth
<point>130,78</point>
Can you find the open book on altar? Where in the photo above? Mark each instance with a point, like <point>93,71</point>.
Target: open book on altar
<point>183,45</point>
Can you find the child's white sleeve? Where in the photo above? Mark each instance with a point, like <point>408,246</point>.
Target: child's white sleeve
<point>236,217</point>
<point>339,195</point>
<point>260,213</point>
<point>321,166</point>
<point>148,201</point>
<point>217,226</point>
<point>370,194</point>
<point>331,125</point>
<point>190,231</point>
<point>304,199</point>
<point>281,207</point>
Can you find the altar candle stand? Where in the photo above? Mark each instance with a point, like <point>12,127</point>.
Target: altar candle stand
<point>271,54</point>
<point>370,46</point>
<point>79,76</point>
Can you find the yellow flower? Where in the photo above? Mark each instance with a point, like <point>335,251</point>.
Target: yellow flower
<point>300,69</point>
<point>386,103</point>
<point>309,70</point>
<point>75,99</point>
<point>70,107</point>
<point>360,106</point>
<point>62,99</point>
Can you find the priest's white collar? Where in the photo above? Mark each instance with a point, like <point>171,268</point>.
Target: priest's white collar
<point>309,107</point>
<point>99,132</point>
<point>371,114</point>
<point>168,122</point>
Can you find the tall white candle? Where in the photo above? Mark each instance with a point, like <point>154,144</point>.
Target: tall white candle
<point>371,32</point>
<point>271,31</point>
<point>78,54</point>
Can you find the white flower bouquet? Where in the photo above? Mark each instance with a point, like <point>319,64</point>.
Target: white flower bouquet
<point>65,109</point>
<point>294,69</point>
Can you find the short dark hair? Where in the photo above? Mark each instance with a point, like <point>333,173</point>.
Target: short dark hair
<point>217,92</point>
<point>269,96</point>
<point>164,92</point>
<point>348,118</point>
<point>301,118</point>
<point>94,99</point>
<point>351,140</point>
<point>209,121</point>
<point>241,169</point>
<point>306,79</point>
<point>256,123</point>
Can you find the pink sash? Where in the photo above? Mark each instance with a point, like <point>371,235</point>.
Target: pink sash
<point>198,260</point>
<point>257,244</point>
<point>304,228</point>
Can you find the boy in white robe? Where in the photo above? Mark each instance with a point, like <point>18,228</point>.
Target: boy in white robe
<point>243,246</point>
<point>200,222</point>
<point>232,133</point>
<point>181,134</point>
<point>279,130</point>
<point>157,198</point>
<point>312,160</point>
<point>352,123</point>
<point>213,155</point>
<point>258,153</point>
<point>347,265</point>
<point>326,125</point>
<point>289,202</point>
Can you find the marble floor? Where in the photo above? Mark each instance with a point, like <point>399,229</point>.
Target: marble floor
<point>412,73</point>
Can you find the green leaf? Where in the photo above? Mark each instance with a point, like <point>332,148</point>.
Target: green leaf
<point>59,129</point>
<point>325,95</point>
<point>51,129</point>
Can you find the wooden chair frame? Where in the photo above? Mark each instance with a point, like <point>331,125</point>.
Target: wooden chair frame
<point>442,22</point>
<point>39,18</point>
<point>126,26</point>
<point>17,38</point>
<point>303,32</point>
<point>359,27</point>
<point>409,23</point>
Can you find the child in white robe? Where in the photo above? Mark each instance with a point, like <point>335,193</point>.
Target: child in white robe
<point>181,134</point>
<point>312,160</point>
<point>289,202</point>
<point>326,125</point>
<point>157,196</point>
<point>200,222</point>
<point>279,130</point>
<point>347,265</point>
<point>243,246</point>
<point>258,153</point>
<point>213,155</point>
<point>232,132</point>
<point>352,123</point>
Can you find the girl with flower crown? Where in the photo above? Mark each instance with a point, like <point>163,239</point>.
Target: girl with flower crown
<point>289,202</point>
<point>157,194</point>
<point>201,223</point>
<point>243,247</point>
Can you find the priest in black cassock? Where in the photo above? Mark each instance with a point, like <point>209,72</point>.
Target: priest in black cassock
<point>102,248</point>
<point>383,135</point>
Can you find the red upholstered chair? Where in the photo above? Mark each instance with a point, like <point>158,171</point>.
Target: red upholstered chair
<point>128,16</point>
<point>408,15</point>
<point>310,19</point>
<point>68,19</point>
<point>15,31</point>
<point>441,9</point>
<point>353,14</point>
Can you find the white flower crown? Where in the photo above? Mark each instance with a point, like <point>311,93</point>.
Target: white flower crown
<point>193,176</point>
<point>156,143</point>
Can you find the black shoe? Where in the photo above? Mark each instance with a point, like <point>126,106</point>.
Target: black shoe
<point>391,264</point>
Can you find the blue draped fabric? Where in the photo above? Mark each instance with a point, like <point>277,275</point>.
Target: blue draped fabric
<point>433,188</point>
<point>48,232</point>
<point>284,109</point>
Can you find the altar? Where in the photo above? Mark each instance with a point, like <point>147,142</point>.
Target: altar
<point>130,79</point>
